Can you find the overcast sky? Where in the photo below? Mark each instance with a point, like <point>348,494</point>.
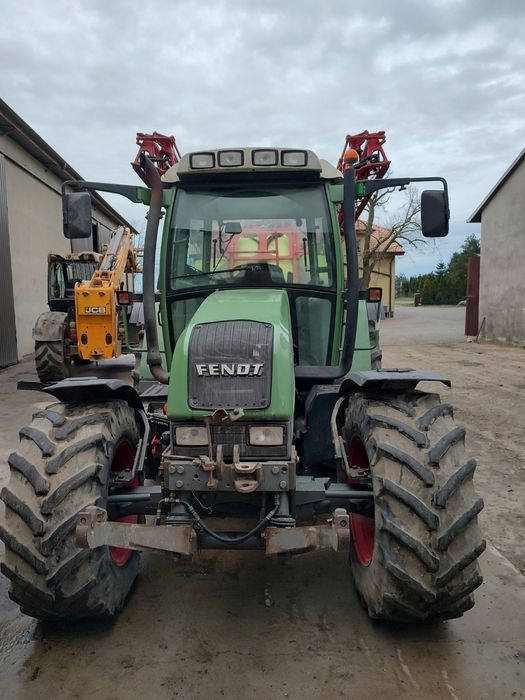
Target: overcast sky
<point>444,78</point>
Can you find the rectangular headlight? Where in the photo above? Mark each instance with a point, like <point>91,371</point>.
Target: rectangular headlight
<point>269,435</point>
<point>231,159</point>
<point>264,157</point>
<point>293,159</point>
<point>191,436</point>
<point>202,160</point>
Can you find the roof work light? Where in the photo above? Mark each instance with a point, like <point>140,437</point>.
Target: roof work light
<point>264,157</point>
<point>230,159</point>
<point>200,161</point>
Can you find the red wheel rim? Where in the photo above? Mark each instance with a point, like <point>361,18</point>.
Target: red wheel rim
<point>362,528</point>
<point>123,459</point>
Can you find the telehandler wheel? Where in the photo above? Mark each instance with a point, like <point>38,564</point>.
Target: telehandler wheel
<point>416,558</point>
<point>62,466</point>
<point>80,360</point>
<point>52,361</point>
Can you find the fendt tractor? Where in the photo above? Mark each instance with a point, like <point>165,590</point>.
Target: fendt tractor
<point>262,408</point>
<point>88,298</point>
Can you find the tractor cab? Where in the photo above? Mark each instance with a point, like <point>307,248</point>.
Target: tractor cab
<point>258,236</point>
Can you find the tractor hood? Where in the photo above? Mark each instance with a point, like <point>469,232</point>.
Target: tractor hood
<point>236,353</point>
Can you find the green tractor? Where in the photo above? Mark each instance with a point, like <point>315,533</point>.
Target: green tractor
<point>262,407</point>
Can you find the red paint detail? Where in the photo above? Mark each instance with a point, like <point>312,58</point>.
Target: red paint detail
<point>123,459</point>
<point>162,151</point>
<point>155,446</point>
<point>361,527</point>
<point>372,165</point>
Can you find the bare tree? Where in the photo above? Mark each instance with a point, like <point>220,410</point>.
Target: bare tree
<point>403,227</point>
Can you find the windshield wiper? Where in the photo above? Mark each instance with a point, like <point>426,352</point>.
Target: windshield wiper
<point>212,272</point>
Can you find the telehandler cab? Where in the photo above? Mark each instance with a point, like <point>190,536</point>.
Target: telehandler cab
<point>264,407</point>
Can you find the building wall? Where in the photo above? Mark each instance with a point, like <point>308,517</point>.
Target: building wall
<point>502,268</point>
<point>35,229</point>
<point>384,276</point>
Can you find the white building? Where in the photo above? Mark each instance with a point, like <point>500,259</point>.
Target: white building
<point>31,176</point>
<point>502,264</point>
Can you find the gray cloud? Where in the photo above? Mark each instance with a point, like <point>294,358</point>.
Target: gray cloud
<point>445,79</point>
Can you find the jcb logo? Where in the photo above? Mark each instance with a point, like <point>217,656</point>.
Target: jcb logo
<point>94,309</point>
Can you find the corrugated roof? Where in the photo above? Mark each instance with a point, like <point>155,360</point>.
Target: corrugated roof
<point>13,126</point>
<point>380,233</point>
<point>476,216</point>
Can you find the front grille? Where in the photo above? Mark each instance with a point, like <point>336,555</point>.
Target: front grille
<point>218,350</point>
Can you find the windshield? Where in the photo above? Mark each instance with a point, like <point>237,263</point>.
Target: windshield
<point>246,237</point>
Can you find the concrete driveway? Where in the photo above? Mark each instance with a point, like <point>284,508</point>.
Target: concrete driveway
<point>424,325</point>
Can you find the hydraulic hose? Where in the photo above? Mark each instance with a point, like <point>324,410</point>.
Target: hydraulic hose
<point>154,357</point>
<point>222,538</point>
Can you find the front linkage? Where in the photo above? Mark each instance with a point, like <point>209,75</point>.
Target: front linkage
<point>191,485</point>
<point>93,530</point>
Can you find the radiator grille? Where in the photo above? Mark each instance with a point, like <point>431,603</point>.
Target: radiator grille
<point>231,343</point>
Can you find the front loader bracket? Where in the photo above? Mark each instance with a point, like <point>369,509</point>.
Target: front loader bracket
<point>93,530</point>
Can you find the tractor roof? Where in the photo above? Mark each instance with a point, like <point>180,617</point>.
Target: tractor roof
<point>300,163</point>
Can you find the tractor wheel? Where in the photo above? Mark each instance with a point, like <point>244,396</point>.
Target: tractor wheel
<point>63,465</point>
<point>52,361</point>
<point>416,557</point>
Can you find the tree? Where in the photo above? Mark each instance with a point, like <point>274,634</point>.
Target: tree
<point>457,266</point>
<point>402,283</point>
<point>404,227</point>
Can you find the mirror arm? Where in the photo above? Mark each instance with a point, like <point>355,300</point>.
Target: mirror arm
<point>135,194</point>
<point>371,186</point>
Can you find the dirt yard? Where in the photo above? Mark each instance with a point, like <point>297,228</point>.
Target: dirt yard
<point>488,393</point>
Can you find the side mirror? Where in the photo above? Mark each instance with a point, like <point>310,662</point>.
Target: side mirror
<point>434,214</point>
<point>77,215</point>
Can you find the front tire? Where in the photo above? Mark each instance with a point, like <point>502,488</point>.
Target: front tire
<point>63,465</point>
<point>416,559</point>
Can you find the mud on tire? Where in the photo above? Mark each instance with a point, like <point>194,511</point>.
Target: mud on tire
<point>62,466</point>
<point>426,538</point>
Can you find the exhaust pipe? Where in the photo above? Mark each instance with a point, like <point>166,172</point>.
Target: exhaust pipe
<point>153,357</point>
